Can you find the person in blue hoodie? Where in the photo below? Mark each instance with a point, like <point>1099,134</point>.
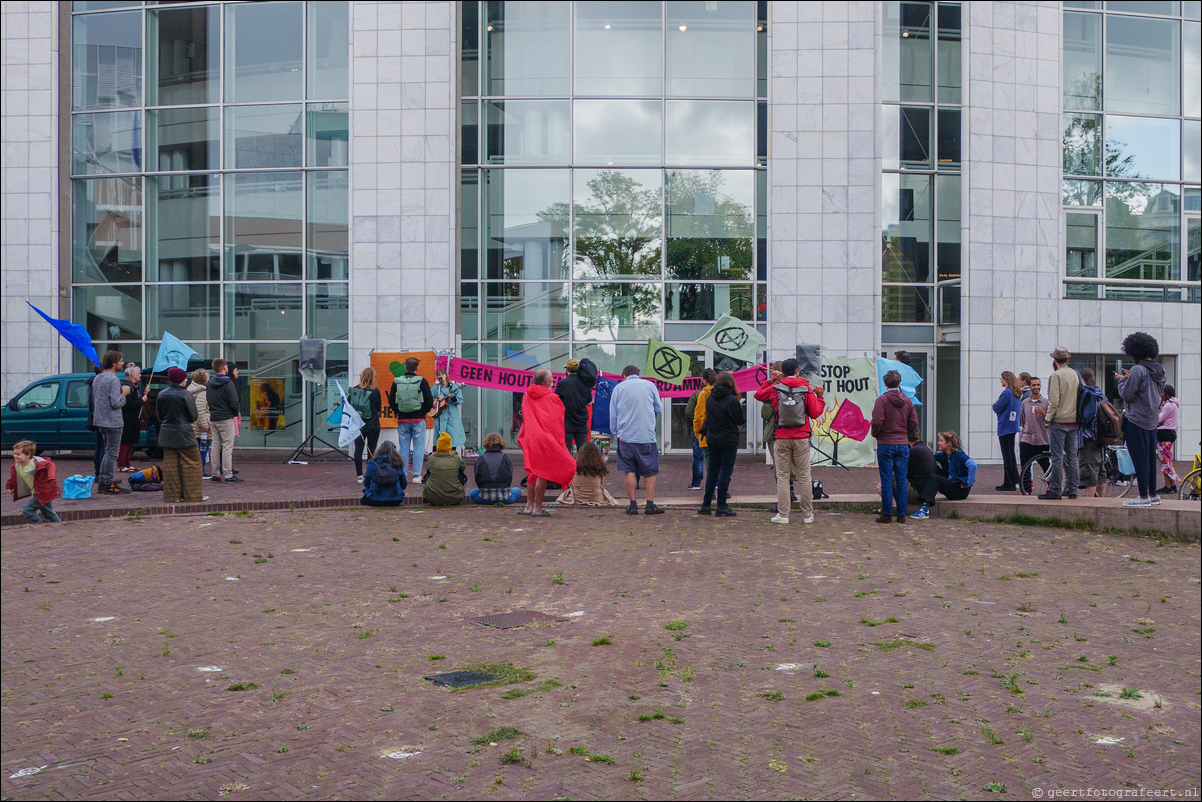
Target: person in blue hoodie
<point>383,478</point>
<point>957,472</point>
<point>1008,408</point>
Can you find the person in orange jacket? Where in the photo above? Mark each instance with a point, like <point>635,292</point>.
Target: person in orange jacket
<point>37,478</point>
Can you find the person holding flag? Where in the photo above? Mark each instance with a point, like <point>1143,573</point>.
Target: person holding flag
<point>794,403</point>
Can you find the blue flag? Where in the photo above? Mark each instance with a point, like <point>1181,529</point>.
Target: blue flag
<point>173,353</point>
<point>73,333</point>
<point>909,377</point>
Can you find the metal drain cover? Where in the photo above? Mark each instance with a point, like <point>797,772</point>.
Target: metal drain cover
<point>461,679</point>
<point>518,618</point>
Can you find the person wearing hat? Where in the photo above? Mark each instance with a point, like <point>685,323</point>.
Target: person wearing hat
<point>445,476</point>
<point>576,392</point>
<point>181,453</point>
<point>1061,417</point>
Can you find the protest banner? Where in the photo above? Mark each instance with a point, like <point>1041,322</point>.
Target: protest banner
<point>389,365</point>
<point>845,380</point>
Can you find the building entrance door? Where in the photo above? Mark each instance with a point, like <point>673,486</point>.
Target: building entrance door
<point>678,432</point>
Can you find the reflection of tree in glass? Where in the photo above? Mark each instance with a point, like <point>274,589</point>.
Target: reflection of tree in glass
<point>709,232</point>
<point>612,307</point>
<point>617,227</point>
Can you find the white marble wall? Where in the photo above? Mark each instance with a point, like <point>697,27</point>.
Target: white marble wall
<point>29,225</point>
<point>824,163</point>
<point>404,294</point>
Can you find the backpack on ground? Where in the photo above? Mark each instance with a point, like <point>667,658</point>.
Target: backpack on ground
<point>1108,430</point>
<point>385,474</point>
<point>790,405</point>
<point>408,393</point>
<point>816,486</point>
<point>151,475</point>
<point>361,400</point>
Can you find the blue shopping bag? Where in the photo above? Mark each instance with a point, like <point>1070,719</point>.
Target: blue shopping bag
<point>1125,463</point>
<point>77,486</point>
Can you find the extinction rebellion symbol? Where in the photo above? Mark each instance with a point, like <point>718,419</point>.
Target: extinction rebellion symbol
<point>731,338</point>
<point>667,363</point>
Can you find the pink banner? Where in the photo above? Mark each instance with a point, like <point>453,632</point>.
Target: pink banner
<point>477,374</point>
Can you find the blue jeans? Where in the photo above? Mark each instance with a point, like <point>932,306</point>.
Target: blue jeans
<point>698,464</point>
<point>413,436</point>
<point>892,462</point>
<point>721,466</point>
<point>1062,443</point>
<point>108,462</point>
<point>515,495</point>
<point>47,512</point>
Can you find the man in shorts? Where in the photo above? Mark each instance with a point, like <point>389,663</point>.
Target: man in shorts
<point>633,408</point>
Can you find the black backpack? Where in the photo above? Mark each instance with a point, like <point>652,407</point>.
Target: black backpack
<point>385,474</point>
<point>817,489</point>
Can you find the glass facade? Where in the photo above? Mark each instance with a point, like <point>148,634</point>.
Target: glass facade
<point>1131,108</point>
<point>210,191</point>
<point>612,185</point>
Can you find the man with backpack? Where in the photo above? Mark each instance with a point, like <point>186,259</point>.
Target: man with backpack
<point>411,400</point>
<point>794,402</point>
<point>1063,387</point>
<point>575,390</point>
<point>1092,452</point>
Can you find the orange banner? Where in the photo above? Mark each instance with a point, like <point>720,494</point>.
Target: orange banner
<point>389,365</point>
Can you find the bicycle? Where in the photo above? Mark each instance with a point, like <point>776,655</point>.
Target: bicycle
<point>1033,478</point>
<point>1191,485</point>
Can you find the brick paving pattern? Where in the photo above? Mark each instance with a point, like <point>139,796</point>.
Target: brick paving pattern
<point>122,639</point>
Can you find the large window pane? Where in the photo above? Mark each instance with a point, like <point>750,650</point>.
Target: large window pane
<point>701,132</point>
<point>525,310</point>
<point>526,47</point>
<point>1139,147</point>
<point>106,143</point>
<point>109,313</point>
<point>710,224</point>
<point>469,224</point>
<point>1191,149</point>
<point>949,52</point>
<point>617,311</point>
<point>183,139</point>
<point>1143,231</point>
<point>1082,151</point>
<point>1082,193</point>
<point>263,226</point>
<point>906,304</point>
<point>263,311</point>
<point>329,50</point>
<point>501,411</point>
<point>618,219</point>
<point>527,132</point>
<point>106,242</point>
<point>328,135</point>
<point>469,310</point>
<point>191,312</point>
<point>271,391</point>
<point>907,139</point>
<point>949,305</point>
<point>619,48</point>
<point>612,357</point>
<point>711,48</point>
<point>948,152</point>
<point>1082,61</point>
<point>183,235</point>
<point>264,136</point>
<point>1081,246</point>
<point>106,61</point>
<point>1193,69</point>
<point>907,59</point>
<point>470,50</point>
<point>329,205</point>
<point>328,311</point>
<point>1167,8</point>
<point>526,220</point>
<point>906,237</point>
<point>621,132</point>
<point>263,44</point>
<point>708,301</point>
<point>182,65</point>
<point>469,132</point>
<point>1143,65</point>
<point>947,226</point>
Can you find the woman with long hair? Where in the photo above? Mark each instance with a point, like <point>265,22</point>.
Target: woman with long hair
<point>1008,408</point>
<point>365,398</point>
<point>448,409</point>
<point>723,417</point>
<point>1141,388</point>
<point>1166,436</point>
<point>588,487</point>
<point>384,480</point>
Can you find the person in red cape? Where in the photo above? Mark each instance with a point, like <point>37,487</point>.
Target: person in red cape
<point>542,442</point>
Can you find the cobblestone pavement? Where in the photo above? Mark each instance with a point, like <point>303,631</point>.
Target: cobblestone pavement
<point>844,659</point>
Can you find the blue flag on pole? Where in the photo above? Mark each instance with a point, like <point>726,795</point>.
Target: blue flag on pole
<point>173,353</point>
<point>909,377</point>
<point>73,333</point>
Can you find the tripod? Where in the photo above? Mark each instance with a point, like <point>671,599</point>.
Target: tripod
<point>835,463</point>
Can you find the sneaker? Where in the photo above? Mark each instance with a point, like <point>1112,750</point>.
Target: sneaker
<point>115,489</point>
<point>1155,500</point>
<point>652,509</point>
<point>724,512</point>
<point>1071,496</point>
<point>633,509</point>
<point>808,519</point>
<point>704,511</point>
<point>359,480</point>
<point>234,479</point>
<point>204,498</point>
<point>780,519</point>
<point>1048,496</point>
<point>923,513</point>
<point>1138,502</point>
<point>215,478</point>
<point>417,480</point>
<point>693,487</point>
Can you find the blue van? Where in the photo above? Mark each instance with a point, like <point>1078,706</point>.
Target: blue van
<point>53,412</point>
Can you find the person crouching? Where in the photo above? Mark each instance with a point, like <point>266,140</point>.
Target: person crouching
<point>36,478</point>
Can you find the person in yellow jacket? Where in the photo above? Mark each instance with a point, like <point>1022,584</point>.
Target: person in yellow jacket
<point>699,416</point>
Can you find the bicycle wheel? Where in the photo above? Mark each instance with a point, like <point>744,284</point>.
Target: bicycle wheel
<point>1033,478</point>
<point>1191,486</point>
<point>1120,485</point>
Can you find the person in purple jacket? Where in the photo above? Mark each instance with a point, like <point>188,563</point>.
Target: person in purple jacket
<point>1008,409</point>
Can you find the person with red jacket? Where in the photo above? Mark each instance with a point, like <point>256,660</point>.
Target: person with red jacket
<point>893,418</point>
<point>37,478</point>
<point>542,442</point>
<point>794,402</point>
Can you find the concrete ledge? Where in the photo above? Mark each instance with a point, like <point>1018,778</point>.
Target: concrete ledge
<point>1181,520</point>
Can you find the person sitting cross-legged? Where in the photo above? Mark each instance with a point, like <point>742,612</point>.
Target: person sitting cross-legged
<point>384,480</point>
<point>445,476</point>
<point>494,475</point>
<point>588,486</point>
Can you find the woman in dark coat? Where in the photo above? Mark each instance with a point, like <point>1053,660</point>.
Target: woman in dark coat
<point>181,452</point>
<point>723,417</point>
<point>131,414</point>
